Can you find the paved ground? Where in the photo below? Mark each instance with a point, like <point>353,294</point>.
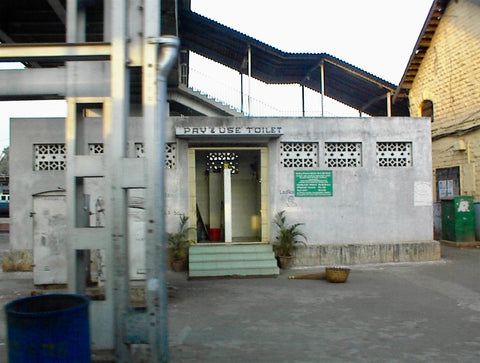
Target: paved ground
<point>418,312</point>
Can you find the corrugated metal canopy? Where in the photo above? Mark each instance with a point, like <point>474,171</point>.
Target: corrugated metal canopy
<point>33,21</point>
<point>343,82</point>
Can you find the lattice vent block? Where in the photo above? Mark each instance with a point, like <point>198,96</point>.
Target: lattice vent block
<point>299,154</point>
<point>343,154</point>
<point>217,161</point>
<point>49,157</point>
<point>394,154</point>
<point>95,149</point>
<point>170,154</point>
<point>139,150</point>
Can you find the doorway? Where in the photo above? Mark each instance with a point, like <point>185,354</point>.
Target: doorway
<point>229,194</point>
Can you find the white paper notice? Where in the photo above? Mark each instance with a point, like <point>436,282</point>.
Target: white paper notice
<point>422,194</point>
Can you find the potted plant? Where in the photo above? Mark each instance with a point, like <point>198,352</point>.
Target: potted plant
<point>287,239</point>
<point>178,243</point>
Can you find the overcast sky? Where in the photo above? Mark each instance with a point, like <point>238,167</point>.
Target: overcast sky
<point>377,36</point>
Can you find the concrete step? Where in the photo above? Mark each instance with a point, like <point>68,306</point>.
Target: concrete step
<point>232,260</point>
<point>232,263</point>
<point>258,272</point>
<point>250,256</point>
<point>229,248</point>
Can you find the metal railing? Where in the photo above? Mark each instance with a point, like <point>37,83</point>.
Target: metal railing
<point>230,96</point>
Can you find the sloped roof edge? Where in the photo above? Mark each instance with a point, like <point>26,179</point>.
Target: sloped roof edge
<point>421,46</point>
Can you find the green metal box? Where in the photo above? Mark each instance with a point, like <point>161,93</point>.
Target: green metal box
<point>458,219</point>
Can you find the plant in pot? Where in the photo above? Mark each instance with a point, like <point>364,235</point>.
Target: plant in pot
<point>178,243</point>
<point>287,239</point>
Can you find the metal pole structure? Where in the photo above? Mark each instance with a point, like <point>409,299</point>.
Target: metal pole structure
<point>156,286</point>
<point>322,83</point>
<point>389,104</point>
<point>241,92</point>
<point>303,100</point>
<point>249,52</point>
<point>114,127</point>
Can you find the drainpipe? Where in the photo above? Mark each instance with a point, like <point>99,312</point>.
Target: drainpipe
<point>156,270</point>
<point>389,104</point>
<point>303,100</point>
<point>322,83</point>
<point>249,50</point>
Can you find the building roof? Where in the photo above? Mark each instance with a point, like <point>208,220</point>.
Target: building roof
<point>420,49</point>
<point>33,21</point>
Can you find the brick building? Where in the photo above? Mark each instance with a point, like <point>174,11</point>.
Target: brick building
<point>442,80</point>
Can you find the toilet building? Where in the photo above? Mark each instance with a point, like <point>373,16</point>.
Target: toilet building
<point>361,186</point>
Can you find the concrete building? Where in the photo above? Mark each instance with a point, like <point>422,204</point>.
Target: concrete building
<point>139,149</point>
<point>442,82</point>
<point>376,206</point>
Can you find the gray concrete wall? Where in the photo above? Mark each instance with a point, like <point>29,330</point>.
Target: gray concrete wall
<point>370,205</point>
<point>24,181</point>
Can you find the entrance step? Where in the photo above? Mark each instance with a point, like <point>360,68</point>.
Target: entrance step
<point>232,260</point>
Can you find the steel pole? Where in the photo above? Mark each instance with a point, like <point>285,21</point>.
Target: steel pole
<point>156,273</point>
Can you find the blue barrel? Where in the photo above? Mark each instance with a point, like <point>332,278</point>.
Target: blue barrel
<point>48,328</point>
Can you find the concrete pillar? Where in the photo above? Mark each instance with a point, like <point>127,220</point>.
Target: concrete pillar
<point>227,197</point>
<point>215,204</point>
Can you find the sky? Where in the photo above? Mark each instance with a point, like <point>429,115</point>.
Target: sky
<point>377,36</point>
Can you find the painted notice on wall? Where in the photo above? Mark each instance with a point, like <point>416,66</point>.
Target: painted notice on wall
<point>313,183</point>
<point>422,194</point>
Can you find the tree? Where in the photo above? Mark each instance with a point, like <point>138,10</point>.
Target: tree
<point>4,161</point>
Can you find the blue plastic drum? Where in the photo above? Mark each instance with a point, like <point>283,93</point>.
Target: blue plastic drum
<point>48,328</point>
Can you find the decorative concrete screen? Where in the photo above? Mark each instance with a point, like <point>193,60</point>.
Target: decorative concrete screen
<point>299,154</point>
<point>139,150</point>
<point>170,154</point>
<point>95,148</point>
<point>216,161</point>
<point>343,154</point>
<point>394,154</point>
<point>49,157</point>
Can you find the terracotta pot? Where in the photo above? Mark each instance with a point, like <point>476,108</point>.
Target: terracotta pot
<point>178,265</point>
<point>285,261</point>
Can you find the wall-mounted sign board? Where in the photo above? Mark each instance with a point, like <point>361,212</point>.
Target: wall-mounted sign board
<point>192,131</point>
<point>313,183</point>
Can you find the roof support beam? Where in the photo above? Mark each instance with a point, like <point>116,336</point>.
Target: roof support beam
<point>4,38</point>
<point>59,10</point>
<point>88,79</point>
<point>54,51</point>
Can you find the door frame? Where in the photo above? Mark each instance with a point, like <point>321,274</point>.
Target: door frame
<point>264,189</point>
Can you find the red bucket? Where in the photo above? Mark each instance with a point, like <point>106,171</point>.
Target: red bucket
<point>214,234</point>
